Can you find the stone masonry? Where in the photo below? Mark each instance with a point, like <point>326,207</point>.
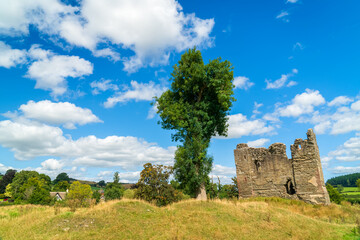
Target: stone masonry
<point>269,172</point>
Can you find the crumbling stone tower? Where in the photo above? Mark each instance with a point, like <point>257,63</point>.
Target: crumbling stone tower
<point>269,172</point>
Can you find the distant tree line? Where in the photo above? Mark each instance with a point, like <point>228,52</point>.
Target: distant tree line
<point>348,180</point>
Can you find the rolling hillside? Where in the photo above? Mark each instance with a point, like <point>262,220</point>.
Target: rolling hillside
<point>131,219</point>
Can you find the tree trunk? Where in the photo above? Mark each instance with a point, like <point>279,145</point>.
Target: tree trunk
<point>201,194</point>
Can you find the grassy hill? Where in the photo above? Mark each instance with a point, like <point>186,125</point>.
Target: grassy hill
<point>269,218</point>
<point>348,180</point>
<point>351,194</point>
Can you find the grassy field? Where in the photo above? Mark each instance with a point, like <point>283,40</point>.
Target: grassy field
<point>351,193</point>
<point>132,219</point>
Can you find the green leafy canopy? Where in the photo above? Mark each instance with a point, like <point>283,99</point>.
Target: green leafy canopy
<point>196,107</point>
<point>199,99</point>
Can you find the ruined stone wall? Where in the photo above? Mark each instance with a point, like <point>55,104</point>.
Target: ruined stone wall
<point>268,172</point>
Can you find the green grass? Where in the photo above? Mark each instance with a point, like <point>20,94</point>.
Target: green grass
<point>96,188</point>
<point>351,193</point>
<point>260,218</point>
<point>350,189</point>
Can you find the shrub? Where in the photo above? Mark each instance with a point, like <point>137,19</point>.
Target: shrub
<point>153,185</point>
<point>79,192</point>
<point>334,195</point>
<point>129,194</point>
<point>114,190</point>
<point>183,196</point>
<point>96,195</point>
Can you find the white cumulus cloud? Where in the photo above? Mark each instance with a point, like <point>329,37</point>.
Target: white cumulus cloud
<point>258,143</point>
<point>240,126</point>
<point>102,86</point>
<point>279,83</point>
<point>137,91</point>
<point>223,173</point>
<point>29,140</point>
<point>17,15</point>
<point>340,100</point>
<point>242,82</point>
<point>303,103</point>
<point>345,170</point>
<point>340,120</point>
<point>11,57</point>
<point>151,29</point>
<point>51,71</point>
<point>61,113</point>
<point>52,164</point>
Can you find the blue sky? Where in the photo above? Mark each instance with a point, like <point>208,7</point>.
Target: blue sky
<point>78,78</point>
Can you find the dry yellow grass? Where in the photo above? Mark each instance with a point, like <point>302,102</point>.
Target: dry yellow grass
<point>133,219</point>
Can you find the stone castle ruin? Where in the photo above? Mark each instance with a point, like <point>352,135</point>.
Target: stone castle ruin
<point>269,172</point>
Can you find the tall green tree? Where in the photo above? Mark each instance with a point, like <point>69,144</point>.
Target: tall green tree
<point>61,177</point>
<point>35,191</point>
<point>7,179</point>
<point>196,108</point>
<point>22,177</point>
<point>114,190</point>
<point>61,186</point>
<point>102,183</point>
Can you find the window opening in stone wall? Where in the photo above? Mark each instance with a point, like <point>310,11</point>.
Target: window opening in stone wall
<point>290,187</point>
<point>258,165</point>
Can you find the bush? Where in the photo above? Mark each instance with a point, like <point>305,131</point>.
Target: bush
<point>96,195</point>
<point>153,185</point>
<point>183,196</point>
<point>334,195</point>
<point>80,193</point>
<point>129,194</point>
<point>114,190</point>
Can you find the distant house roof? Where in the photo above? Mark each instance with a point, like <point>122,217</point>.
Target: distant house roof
<point>58,195</point>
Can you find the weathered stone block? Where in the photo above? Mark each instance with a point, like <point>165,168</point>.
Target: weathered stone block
<point>269,172</point>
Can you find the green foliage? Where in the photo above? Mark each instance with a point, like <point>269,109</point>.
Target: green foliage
<point>7,179</point>
<point>46,178</point>
<point>61,186</point>
<point>196,107</point>
<point>129,194</point>
<point>8,191</point>
<point>114,190</point>
<point>358,183</point>
<point>212,190</point>
<point>334,195</point>
<point>79,192</point>
<point>228,191</point>
<point>192,165</point>
<point>101,183</point>
<point>348,180</point>
<point>153,185</point>
<point>30,186</point>
<point>35,191</point>
<point>340,188</point>
<point>96,195</point>
<point>62,177</point>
